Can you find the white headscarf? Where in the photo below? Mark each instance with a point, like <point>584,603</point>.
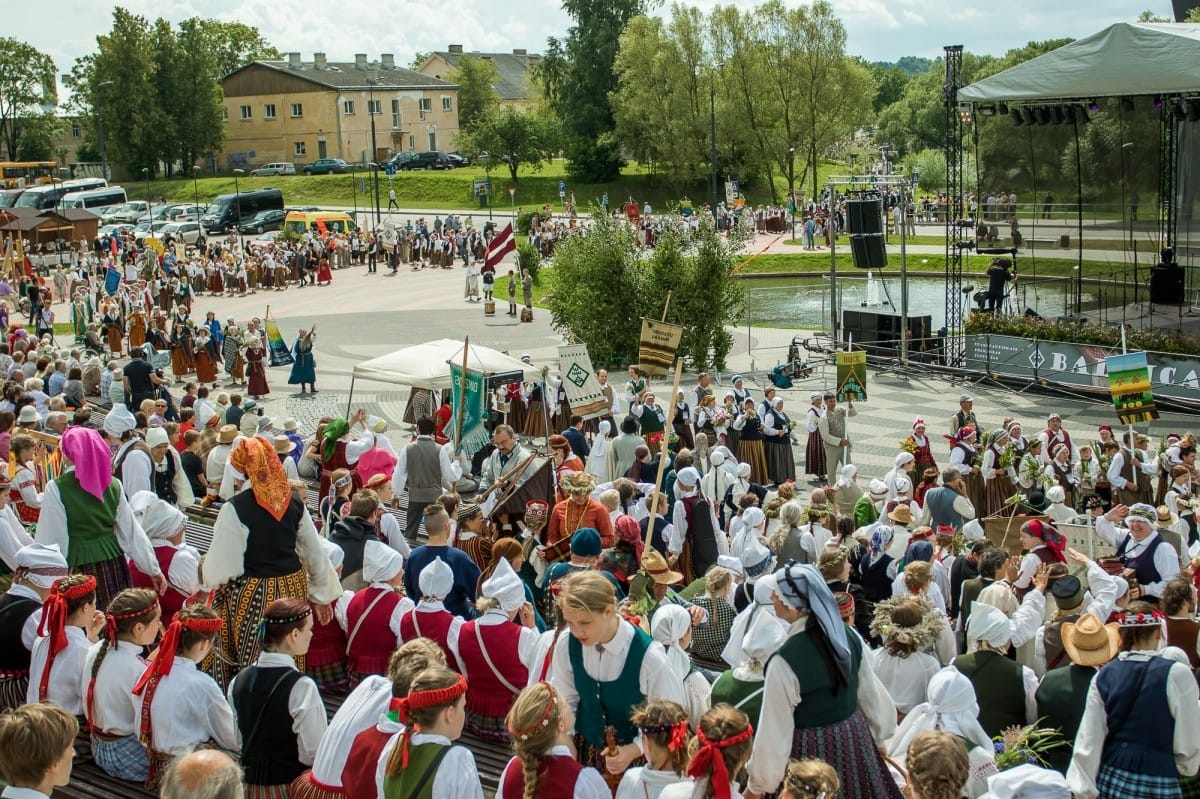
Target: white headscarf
<point>1028,782</point>
<point>600,442</point>
<point>846,476</point>
<point>734,652</point>
<point>950,706</point>
<point>381,563</point>
<point>764,636</point>
<point>436,580</point>
<point>162,520</point>
<point>670,624</point>
<point>505,587</point>
<point>990,625</point>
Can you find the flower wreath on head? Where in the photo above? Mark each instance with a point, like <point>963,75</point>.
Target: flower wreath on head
<point>921,636</point>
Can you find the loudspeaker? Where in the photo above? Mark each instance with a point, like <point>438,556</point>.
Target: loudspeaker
<point>864,223</point>
<point>1166,285</point>
<point>868,251</point>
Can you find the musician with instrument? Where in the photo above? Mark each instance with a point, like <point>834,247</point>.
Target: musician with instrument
<point>498,470</point>
<point>304,366</point>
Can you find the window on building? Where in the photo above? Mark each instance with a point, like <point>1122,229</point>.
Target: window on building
<point>76,131</point>
<point>269,111</point>
<point>447,103</point>
<point>246,112</point>
<point>297,110</point>
<point>426,106</point>
<point>374,107</point>
<point>348,107</point>
<point>412,143</point>
<point>396,114</point>
<point>224,114</point>
<point>298,149</point>
<point>432,140</point>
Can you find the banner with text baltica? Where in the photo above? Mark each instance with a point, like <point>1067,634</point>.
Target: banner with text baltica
<point>1064,363</point>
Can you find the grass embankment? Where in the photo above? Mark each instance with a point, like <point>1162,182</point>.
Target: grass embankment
<point>1041,245</point>
<point>976,265</point>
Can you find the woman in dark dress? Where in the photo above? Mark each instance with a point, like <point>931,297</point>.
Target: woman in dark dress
<point>256,371</point>
<point>750,443</point>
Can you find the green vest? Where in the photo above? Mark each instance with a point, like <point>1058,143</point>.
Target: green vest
<point>604,704</point>
<point>819,706</point>
<point>1060,701</point>
<point>999,689</point>
<point>649,420</point>
<point>420,758</point>
<point>90,523</point>
<point>746,696</point>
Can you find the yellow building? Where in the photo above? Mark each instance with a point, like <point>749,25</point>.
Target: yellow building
<point>300,111</point>
<point>512,72</point>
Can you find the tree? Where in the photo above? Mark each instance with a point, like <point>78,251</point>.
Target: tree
<point>889,85</point>
<point>519,138</point>
<point>230,45</point>
<point>37,138</point>
<point>477,97</point>
<point>1193,15</point>
<point>419,58</point>
<point>26,84</point>
<point>578,79</point>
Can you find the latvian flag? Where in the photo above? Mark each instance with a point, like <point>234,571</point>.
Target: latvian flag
<point>501,245</point>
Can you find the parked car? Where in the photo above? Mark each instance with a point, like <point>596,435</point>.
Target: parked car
<point>327,166</point>
<point>398,159</point>
<point>434,159</point>
<point>184,230</point>
<point>129,212</point>
<point>151,229</point>
<point>278,168</point>
<point>264,221</point>
<point>265,240</point>
<point>458,159</point>
<point>114,229</point>
<point>186,211</point>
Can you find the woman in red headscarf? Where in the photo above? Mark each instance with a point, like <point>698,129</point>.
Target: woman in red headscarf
<point>84,511</point>
<point>624,559</point>
<point>1043,545</point>
<point>264,547</point>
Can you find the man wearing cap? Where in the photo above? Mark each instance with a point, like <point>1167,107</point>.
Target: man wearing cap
<point>1145,553</point>
<point>1072,603</point>
<point>1055,434</point>
<point>422,468</point>
<point>651,417</point>
<point>964,416</point>
<point>218,460</point>
<point>696,539</point>
<point>585,551</point>
<point>835,439</point>
<point>38,568</point>
<point>169,480</point>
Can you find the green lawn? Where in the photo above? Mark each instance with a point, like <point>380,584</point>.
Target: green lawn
<point>1089,243</point>
<point>818,262</point>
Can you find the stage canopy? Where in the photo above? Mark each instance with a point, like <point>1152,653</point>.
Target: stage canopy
<point>428,365</point>
<point>1123,60</point>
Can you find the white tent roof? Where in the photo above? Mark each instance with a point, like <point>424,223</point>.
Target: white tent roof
<point>1123,60</point>
<point>427,365</point>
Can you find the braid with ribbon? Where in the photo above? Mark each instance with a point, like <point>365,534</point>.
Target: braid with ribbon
<point>55,611</point>
<point>421,699</point>
<point>129,608</point>
<point>709,758</point>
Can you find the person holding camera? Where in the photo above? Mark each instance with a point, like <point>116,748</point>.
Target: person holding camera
<point>999,275</point>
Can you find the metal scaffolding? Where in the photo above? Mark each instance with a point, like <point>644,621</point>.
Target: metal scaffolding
<point>956,118</point>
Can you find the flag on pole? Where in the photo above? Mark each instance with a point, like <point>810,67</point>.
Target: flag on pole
<point>657,346</point>
<point>501,245</point>
<point>281,355</point>
<point>1129,383</point>
<point>112,281</point>
<point>470,393</point>
<point>579,382</point>
<point>851,375</point>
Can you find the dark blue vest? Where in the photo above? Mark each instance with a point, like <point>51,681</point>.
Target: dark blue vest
<point>1141,730</point>
<point>1143,562</point>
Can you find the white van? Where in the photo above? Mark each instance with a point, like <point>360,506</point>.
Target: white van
<point>94,199</point>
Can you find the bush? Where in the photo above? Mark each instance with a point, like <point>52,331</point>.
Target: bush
<point>1086,333</point>
<point>529,258</point>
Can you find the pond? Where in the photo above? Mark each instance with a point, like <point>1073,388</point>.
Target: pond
<point>803,301</point>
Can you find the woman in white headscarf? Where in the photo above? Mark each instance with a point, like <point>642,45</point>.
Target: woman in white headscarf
<point>1005,690</point>
<point>672,627</point>
<point>950,707</point>
<point>846,491</point>
<point>600,461</point>
<point>742,687</point>
<point>903,464</point>
<point>750,526</point>
<point>164,526</point>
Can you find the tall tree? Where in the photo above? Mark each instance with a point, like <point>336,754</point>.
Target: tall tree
<point>477,96</point>
<point>231,45</point>
<point>26,84</point>
<point>518,138</point>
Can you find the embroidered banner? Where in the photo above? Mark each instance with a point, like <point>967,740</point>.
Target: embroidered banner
<point>657,346</point>
<point>579,381</point>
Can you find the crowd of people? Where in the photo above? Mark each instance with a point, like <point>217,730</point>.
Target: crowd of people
<point>724,632</point>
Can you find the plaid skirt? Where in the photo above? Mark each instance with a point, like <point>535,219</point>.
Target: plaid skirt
<point>112,577</point>
<point>330,677</point>
<point>306,787</point>
<point>124,758</point>
<point>489,728</point>
<point>241,604</point>
<point>814,455</point>
<point>269,791</point>
<point>13,692</point>
<point>850,749</point>
<point>1115,783</point>
<point>996,491</point>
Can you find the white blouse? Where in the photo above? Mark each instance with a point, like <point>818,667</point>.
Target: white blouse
<point>13,536</point>
<point>189,709</point>
<point>304,705</point>
<point>365,705</point>
<point>113,706</point>
<point>527,645</point>
<point>646,783</point>
<point>457,776</point>
<point>52,529</point>
<point>63,687</point>
<point>589,784</point>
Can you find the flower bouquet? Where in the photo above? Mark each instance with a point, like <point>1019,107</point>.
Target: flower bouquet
<point>1017,746</point>
<point>720,418</point>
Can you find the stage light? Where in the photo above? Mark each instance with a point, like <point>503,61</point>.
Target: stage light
<point>965,115</point>
<point>1017,119</point>
<point>1003,108</point>
<point>1127,104</point>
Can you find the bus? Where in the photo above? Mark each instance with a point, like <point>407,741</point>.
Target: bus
<point>93,199</point>
<point>19,174</point>
<point>46,197</point>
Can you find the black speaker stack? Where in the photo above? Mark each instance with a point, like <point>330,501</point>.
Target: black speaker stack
<point>879,334</point>
<point>864,223</point>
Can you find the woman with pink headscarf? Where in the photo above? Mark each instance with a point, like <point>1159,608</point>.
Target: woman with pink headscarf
<point>84,511</point>
<point>623,560</point>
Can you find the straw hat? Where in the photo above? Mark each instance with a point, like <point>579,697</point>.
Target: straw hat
<point>284,445</point>
<point>576,483</point>
<point>227,434</point>
<point>1088,642</point>
<point>901,514</point>
<point>1165,517</point>
<point>656,568</point>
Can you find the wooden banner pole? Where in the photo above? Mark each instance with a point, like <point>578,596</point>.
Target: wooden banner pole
<point>462,396</point>
<point>662,457</point>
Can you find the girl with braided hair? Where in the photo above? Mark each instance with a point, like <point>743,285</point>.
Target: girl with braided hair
<point>70,625</point>
<point>810,779</point>
<point>112,668</point>
<point>716,755</point>
<point>540,724</point>
<point>937,766</point>
<point>421,762</point>
<point>663,725</point>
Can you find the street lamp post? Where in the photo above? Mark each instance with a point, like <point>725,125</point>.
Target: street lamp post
<point>792,187</point>
<point>237,204</point>
<point>712,111</point>
<point>149,200</point>
<point>196,189</point>
<point>100,131</point>
<point>372,83</point>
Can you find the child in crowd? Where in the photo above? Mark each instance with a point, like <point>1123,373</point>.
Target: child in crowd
<point>672,627</point>
<point>36,750</point>
<point>663,725</point>
<point>112,668</point>
<point>373,616</point>
<point>810,779</point>
<point>540,724</point>
<point>37,568</point>
<point>717,754</point>
<point>430,619</point>
<point>272,698</point>
<point>70,625</point>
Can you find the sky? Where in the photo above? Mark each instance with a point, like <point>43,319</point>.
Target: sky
<point>879,30</point>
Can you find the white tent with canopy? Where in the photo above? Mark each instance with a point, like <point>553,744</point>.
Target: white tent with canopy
<point>428,365</point>
<point>1127,59</point>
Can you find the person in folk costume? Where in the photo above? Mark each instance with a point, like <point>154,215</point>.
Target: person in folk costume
<point>998,480</point>
<point>575,512</point>
<point>920,443</point>
<point>1043,545</point>
<point>681,421</point>
<point>496,655</point>
<point>1150,557</point>
<point>113,327</point>
<point>164,525</point>
<point>304,367</point>
<point>264,547</point>
<point>535,416</point>
<point>474,535</point>
<point>663,726</point>
<point>696,540</point>
<point>635,387</point>
<point>182,357</point>
<point>179,706</point>
<point>168,479</point>
<point>325,661</point>
<point>743,686</point>
<point>256,371</point>
<point>603,669</point>
<point>565,461</point>
<point>38,568</point>
<point>777,444</point>
<point>70,624</point>
<point>1063,472</point>
<point>340,451</point>
<point>113,666</point>
<point>272,698</point>
<point>1180,501</point>
<point>672,627</point>
<point>903,465</point>
<point>137,327</point>
<point>373,615</point>
<point>206,357</point>
<point>750,442</point>
<point>81,314</point>
<point>84,512</point>
<point>37,751</point>
<point>622,559</point>
<point>430,619</point>
<point>834,435</point>
<point>601,461</point>
<point>964,416</point>
<point>950,708</point>
<point>540,725</point>
<point>29,457</point>
<point>964,453</point>
<point>1006,691</point>
<point>1137,736</point>
<point>231,354</point>
<point>652,419</point>
<point>1056,434</point>
<point>838,712</point>
<point>717,755</point>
